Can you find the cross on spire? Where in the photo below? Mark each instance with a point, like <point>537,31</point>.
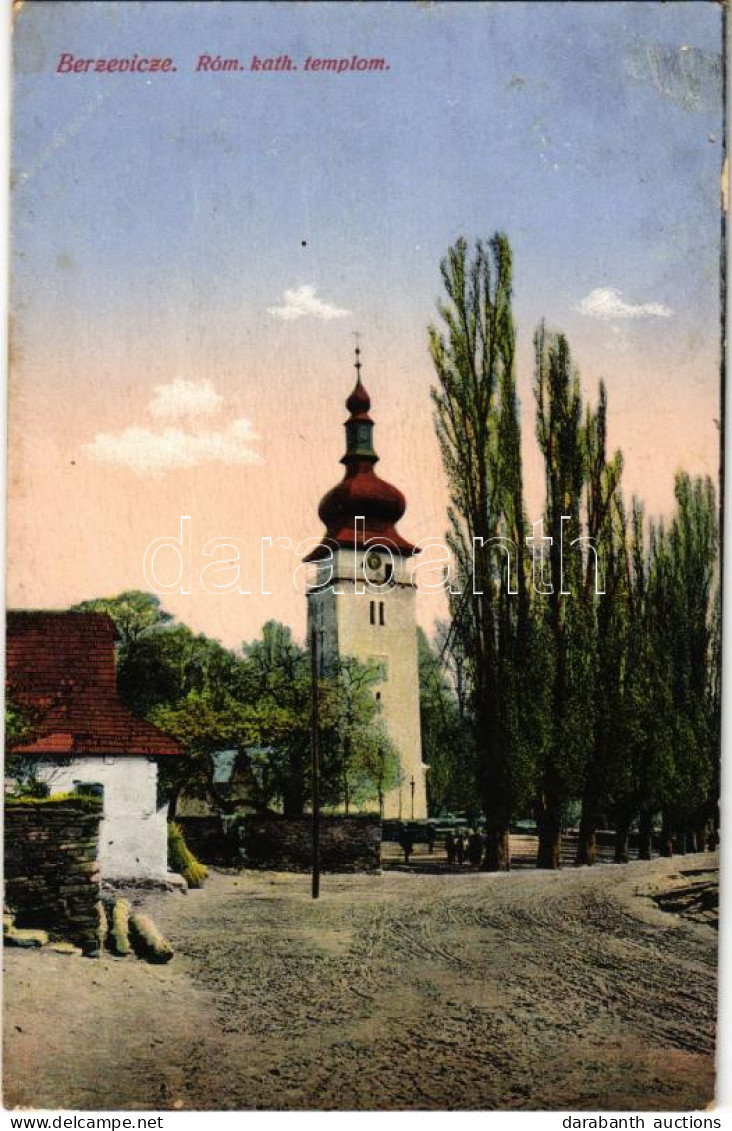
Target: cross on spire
<point>357,336</point>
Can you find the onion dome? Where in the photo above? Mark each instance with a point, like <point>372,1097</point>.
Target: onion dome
<point>361,493</point>
<point>359,402</point>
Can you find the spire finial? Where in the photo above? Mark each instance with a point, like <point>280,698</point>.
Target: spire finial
<point>357,336</point>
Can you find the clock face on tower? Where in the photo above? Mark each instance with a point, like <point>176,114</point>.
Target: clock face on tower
<point>373,561</point>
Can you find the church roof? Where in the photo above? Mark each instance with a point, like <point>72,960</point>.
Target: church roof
<point>60,673</point>
<point>361,493</point>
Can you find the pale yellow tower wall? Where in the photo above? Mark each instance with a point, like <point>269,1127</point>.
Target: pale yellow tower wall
<point>342,617</point>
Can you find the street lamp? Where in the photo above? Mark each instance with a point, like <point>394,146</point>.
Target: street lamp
<point>316,763</point>
<point>411,786</point>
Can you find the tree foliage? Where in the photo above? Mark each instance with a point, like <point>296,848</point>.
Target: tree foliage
<point>256,701</point>
<point>591,678</point>
<point>477,424</point>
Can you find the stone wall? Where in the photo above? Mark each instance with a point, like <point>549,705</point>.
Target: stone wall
<point>212,840</point>
<point>347,844</point>
<point>52,877</point>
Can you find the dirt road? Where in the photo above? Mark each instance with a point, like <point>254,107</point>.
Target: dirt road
<point>530,990</point>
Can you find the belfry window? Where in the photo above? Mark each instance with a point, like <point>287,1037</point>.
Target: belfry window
<point>381,613</point>
<point>372,610</point>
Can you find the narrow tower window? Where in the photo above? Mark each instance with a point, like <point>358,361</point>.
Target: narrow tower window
<point>381,612</point>
<point>373,612</point>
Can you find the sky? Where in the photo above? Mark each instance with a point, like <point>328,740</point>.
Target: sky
<point>192,252</point>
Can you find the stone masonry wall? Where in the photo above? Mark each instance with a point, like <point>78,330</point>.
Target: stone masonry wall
<point>347,844</point>
<point>210,839</point>
<point>52,875</point>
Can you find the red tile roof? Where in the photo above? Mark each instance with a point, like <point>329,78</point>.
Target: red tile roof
<point>61,676</point>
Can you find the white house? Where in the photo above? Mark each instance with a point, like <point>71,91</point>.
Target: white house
<point>61,675</point>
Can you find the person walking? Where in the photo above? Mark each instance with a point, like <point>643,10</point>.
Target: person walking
<point>406,840</point>
<point>450,848</point>
<point>475,848</point>
<point>431,837</point>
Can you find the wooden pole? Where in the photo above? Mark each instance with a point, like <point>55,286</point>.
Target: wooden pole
<point>316,763</point>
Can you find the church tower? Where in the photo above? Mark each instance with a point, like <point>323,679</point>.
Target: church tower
<point>362,602</point>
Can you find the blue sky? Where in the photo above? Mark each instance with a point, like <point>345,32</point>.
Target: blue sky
<point>546,120</point>
<point>158,221</point>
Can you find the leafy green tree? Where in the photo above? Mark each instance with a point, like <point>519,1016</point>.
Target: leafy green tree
<point>135,613</point>
<point>663,754</point>
<point>559,433</point>
<point>278,680</point>
<point>20,771</point>
<point>605,616</point>
<point>17,725</point>
<point>709,817</point>
<point>202,728</point>
<point>258,702</point>
<point>644,761</point>
<point>447,738</point>
<point>478,430</point>
<point>686,562</point>
<point>360,760</point>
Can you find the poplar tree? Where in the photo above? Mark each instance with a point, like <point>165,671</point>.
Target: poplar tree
<point>646,757</point>
<point>559,433</point>
<point>604,598</point>
<point>686,557</point>
<point>477,425</point>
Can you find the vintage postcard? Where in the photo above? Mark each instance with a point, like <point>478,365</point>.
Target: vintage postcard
<point>364,586</point>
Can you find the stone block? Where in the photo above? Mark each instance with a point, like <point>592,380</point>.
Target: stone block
<point>64,948</point>
<point>25,937</point>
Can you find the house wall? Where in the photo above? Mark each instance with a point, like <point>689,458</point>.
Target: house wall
<point>133,835</point>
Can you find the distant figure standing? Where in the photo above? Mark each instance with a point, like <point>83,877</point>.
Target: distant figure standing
<point>460,849</point>
<point>475,848</point>
<point>450,848</point>
<point>431,837</point>
<point>406,840</point>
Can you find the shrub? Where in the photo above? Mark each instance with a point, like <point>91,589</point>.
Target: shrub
<point>79,800</point>
<point>182,860</point>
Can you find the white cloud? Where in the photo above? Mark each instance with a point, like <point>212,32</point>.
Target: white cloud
<point>608,304</point>
<point>151,450</point>
<point>304,303</point>
<point>181,399</point>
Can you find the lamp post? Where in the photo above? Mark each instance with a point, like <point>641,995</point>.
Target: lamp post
<point>411,786</point>
<point>316,762</point>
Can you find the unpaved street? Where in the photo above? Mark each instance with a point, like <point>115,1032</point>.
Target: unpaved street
<point>529,990</point>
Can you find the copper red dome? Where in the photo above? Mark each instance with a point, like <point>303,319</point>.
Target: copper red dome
<point>361,494</point>
<point>359,401</point>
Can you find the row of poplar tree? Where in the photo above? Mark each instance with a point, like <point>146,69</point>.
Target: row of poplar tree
<point>606,696</point>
